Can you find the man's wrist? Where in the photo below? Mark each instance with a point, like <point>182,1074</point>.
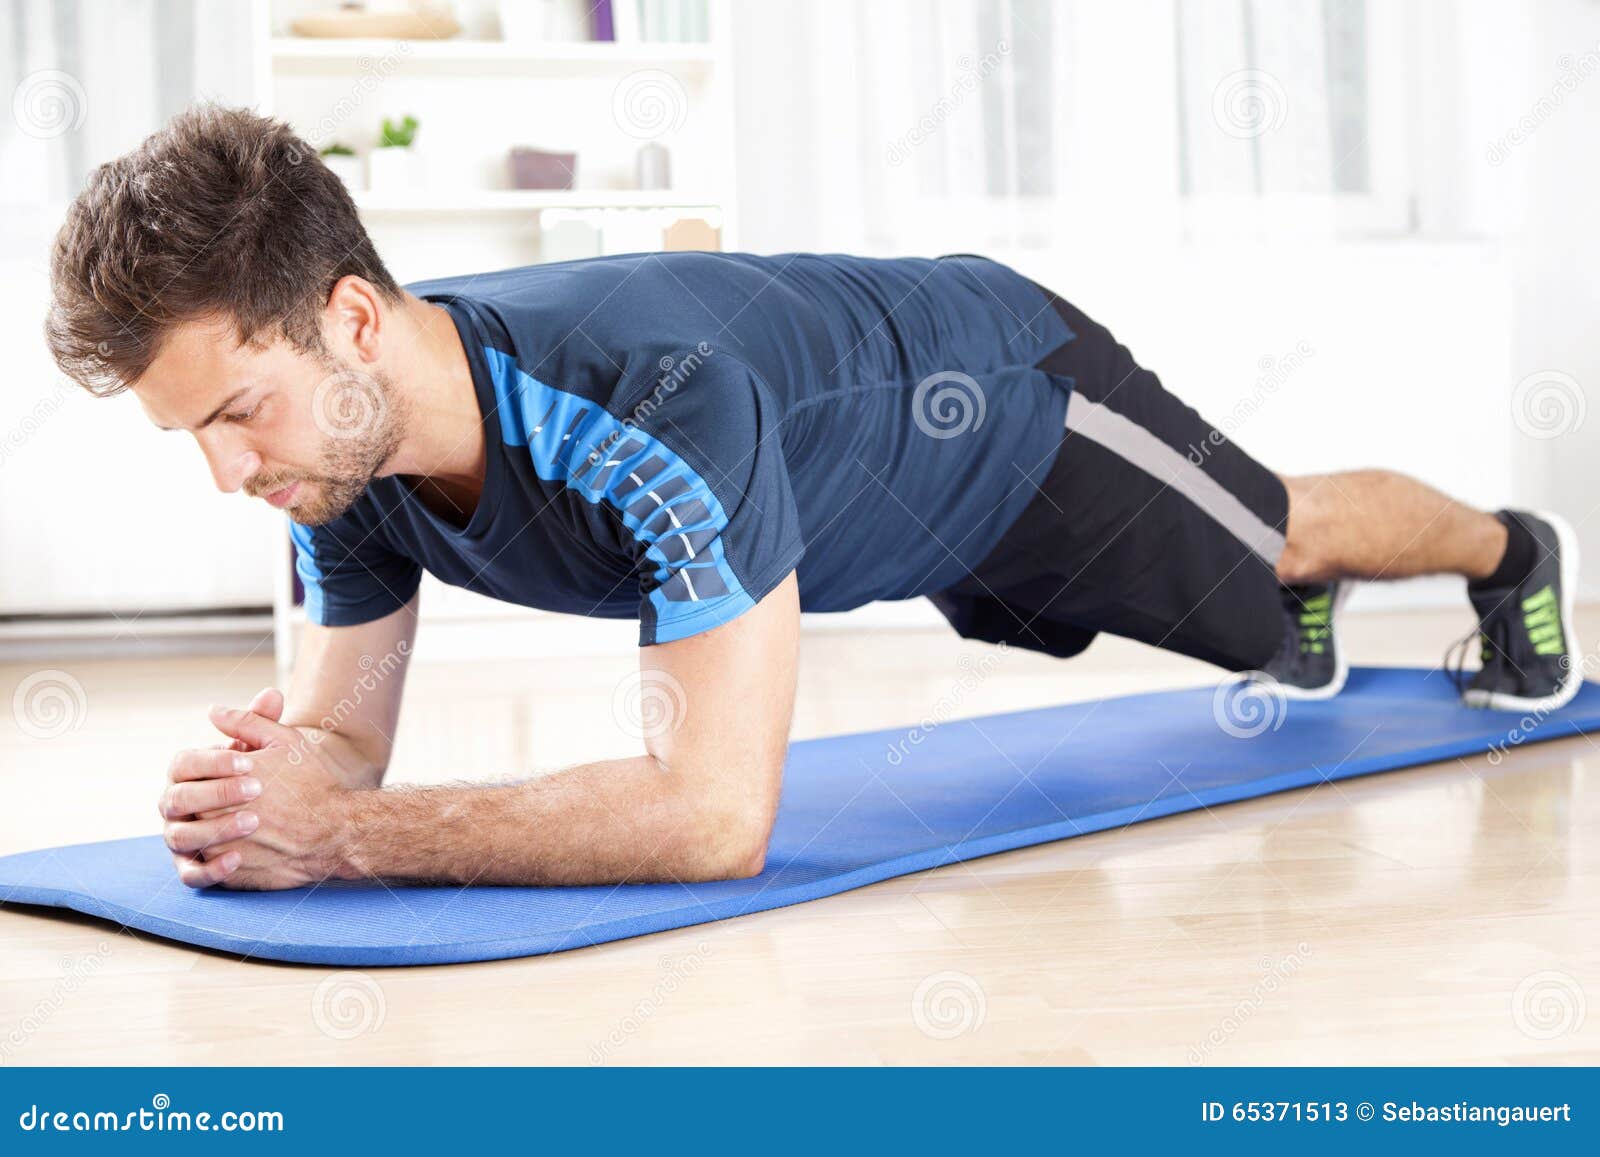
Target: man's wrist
<point>344,858</point>
<point>349,764</point>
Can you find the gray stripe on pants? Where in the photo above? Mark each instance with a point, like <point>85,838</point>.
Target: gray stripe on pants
<point>1133,443</point>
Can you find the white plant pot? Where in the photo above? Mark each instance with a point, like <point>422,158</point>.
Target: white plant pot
<point>349,170</point>
<point>395,170</point>
<point>528,21</point>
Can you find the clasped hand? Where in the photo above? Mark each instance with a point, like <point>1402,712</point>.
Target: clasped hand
<point>261,811</point>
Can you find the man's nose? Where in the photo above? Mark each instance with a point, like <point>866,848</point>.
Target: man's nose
<point>232,465</point>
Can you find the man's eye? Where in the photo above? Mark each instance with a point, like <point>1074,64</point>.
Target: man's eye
<point>244,417</point>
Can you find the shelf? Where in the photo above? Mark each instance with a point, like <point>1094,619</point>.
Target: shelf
<point>292,54</point>
<point>524,201</point>
<point>340,82</point>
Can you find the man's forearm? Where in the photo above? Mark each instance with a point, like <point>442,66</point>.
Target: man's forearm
<point>628,820</point>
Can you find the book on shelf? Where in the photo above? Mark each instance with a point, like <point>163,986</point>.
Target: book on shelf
<point>601,24</point>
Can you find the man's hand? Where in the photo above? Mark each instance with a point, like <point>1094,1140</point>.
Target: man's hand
<point>206,790</point>
<point>300,831</point>
<point>269,781</point>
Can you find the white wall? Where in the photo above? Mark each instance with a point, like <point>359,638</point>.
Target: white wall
<point>1556,311</point>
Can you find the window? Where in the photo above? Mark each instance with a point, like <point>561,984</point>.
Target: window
<point>1037,123</point>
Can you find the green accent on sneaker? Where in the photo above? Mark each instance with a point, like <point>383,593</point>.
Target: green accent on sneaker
<point>1315,609</point>
<point>1542,617</point>
<point>1316,623</point>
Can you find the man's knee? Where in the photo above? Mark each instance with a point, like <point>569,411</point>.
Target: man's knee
<point>1308,551</point>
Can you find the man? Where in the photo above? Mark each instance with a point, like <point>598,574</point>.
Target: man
<point>711,443</point>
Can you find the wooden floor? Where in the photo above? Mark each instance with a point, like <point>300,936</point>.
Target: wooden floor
<point>1449,914</point>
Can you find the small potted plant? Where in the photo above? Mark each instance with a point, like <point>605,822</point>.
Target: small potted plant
<point>343,163</point>
<point>395,164</point>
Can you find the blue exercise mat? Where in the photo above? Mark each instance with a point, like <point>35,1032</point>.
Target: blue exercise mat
<point>856,809</point>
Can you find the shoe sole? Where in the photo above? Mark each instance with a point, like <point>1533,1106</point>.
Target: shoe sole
<point>1499,700</point>
<point>1341,667</point>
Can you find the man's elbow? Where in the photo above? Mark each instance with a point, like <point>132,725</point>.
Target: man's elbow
<point>750,860</point>
<point>730,844</point>
<point>723,817</point>
<point>737,852</point>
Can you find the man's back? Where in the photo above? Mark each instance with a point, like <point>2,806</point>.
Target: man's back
<point>900,396</point>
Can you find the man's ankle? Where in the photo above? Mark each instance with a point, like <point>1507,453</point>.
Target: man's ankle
<point>1516,561</point>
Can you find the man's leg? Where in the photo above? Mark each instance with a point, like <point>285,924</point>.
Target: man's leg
<point>1521,572</point>
<point>1377,524</point>
<point>1154,526</point>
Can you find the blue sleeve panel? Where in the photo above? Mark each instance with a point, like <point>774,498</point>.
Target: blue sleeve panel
<point>694,472</point>
<point>350,577</point>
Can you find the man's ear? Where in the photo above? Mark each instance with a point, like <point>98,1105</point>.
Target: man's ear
<point>353,318</point>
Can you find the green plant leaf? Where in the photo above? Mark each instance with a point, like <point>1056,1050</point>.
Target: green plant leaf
<point>398,136</point>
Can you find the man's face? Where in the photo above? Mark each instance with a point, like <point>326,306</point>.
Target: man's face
<point>305,431</point>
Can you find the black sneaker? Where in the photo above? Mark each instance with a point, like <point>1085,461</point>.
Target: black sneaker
<point>1529,652</point>
<point>1310,663</point>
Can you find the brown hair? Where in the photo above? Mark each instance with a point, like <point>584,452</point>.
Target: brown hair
<point>222,213</point>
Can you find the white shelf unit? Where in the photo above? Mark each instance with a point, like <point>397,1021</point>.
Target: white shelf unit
<point>548,94</point>
<point>525,201</point>
<point>294,54</point>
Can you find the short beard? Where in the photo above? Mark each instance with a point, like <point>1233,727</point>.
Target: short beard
<point>363,419</point>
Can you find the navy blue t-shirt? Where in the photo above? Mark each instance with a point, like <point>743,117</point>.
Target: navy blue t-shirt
<point>670,434</point>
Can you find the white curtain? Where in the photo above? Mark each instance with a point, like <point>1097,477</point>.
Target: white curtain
<point>87,483</point>
<point>88,79</point>
<point>962,91</point>
<point>1272,96</point>
<point>1008,122</point>
<point>919,105</point>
